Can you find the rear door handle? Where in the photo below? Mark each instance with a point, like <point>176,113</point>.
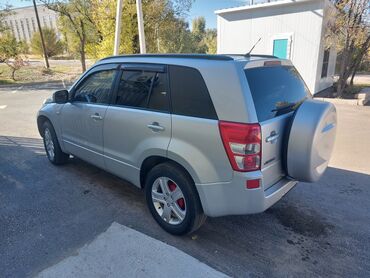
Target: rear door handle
<point>96,116</point>
<point>272,138</point>
<point>155,127</point>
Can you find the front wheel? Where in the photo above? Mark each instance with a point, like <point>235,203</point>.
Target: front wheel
<point>52,147</point>
<point>173,200</point>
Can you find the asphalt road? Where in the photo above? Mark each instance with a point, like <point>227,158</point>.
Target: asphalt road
<point>48,212</point>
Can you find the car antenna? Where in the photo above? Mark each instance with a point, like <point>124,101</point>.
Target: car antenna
<point>249,53</point>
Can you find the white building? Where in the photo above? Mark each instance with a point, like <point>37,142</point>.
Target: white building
<point>291,29</point>
<point>22,21</point>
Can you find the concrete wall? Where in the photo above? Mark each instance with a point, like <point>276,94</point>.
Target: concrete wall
<point>22,21</point>
<point>300,22</point>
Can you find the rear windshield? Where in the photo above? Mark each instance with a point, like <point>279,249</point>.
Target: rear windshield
<point>276,90</point>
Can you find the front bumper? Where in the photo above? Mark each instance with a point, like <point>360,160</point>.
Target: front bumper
<point>233,198</point>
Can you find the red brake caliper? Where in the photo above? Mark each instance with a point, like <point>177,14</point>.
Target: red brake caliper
<point>180,201</point>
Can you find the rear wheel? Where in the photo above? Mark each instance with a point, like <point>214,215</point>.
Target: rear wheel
<point>173,200</point>
<point>52,147</point>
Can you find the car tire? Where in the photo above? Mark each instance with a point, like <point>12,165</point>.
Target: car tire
<point>51,144</point>
<point>190,209</point>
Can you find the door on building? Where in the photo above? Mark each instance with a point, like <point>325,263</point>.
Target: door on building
<point>280,48</point>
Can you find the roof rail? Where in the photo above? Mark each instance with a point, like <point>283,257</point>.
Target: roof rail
<point>215,57</point>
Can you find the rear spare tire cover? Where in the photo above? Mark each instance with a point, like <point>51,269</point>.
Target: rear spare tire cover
<point>311,140</point>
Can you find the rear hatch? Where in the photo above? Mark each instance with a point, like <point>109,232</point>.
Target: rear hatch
<point>277,90</point>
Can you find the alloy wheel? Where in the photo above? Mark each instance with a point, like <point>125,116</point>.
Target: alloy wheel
<point>49,144</point>
<point>168,200</point>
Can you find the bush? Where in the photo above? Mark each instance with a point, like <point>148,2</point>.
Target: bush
<point>52,44</point>
<point>10,53</point>
<point>24,47</point>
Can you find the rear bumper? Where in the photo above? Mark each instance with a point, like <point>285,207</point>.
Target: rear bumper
<point>232,198</point>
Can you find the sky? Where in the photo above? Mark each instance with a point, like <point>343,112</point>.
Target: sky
<point>204,8</point>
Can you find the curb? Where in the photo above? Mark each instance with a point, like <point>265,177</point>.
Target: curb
<point>359,102</point>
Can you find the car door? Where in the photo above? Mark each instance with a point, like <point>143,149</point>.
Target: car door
<point>138,123</point>
<point>82,119</point>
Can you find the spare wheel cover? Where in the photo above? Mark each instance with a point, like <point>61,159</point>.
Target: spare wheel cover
<point>311,140</point>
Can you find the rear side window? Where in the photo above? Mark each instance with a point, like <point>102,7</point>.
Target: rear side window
<point>276,90</point>
<point>142,89</point>
<point>189,93</point>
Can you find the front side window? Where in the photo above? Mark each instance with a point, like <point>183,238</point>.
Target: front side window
<point>96,88</point>
<point>143,89</point>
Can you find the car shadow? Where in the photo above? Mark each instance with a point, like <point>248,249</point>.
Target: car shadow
<point>320,229</point>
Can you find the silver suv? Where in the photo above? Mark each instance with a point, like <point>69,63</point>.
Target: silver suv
<point>203,135</point>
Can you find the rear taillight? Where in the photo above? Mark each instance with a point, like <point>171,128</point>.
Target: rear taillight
<point>242,144</point>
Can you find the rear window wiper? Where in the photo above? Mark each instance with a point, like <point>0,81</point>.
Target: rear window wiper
<point>291,105</point>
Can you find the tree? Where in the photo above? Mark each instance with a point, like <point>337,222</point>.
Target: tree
<point>199,26</point>
<point>174,38</point>
<point>199,32</point>
<point>204,40</point>
<point>210,40</point>
<point>165,26</point>
<point>349,32</point>
<point>4,12</point>
<point>52,44</point>
<point>10,52</point>
<point>76,20</point>
<point>162,19</point>
<point>88,26</point>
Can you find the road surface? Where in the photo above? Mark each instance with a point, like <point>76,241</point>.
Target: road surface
<point>49,214</point>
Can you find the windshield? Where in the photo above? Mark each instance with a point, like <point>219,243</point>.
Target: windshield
<point>276,90</point>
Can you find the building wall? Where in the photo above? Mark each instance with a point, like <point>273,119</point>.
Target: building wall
<point>325,82</point>
<point>300,22</point>
<point>22,21</point>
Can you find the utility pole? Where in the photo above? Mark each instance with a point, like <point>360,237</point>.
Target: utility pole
<point>140,23</point>
<point>117,36</point>
<point>41,36</point>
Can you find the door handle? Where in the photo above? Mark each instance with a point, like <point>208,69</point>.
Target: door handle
<point>272,138</point>
<point>96,116</point>
<point>155,127</point>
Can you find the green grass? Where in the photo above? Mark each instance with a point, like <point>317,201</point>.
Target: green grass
<point>37,73</point>
<point>6,81</point>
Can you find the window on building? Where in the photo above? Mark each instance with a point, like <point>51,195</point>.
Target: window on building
<point>23,31</point>
<point>17,28</point>
<point>12,27</point>
<point>29,31</point>
<point>280,48</point>
<point>51,22</point>
<point>325,63</point>
<point>33,24</point>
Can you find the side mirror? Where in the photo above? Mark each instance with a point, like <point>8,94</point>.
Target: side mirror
<point>60,97</point>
